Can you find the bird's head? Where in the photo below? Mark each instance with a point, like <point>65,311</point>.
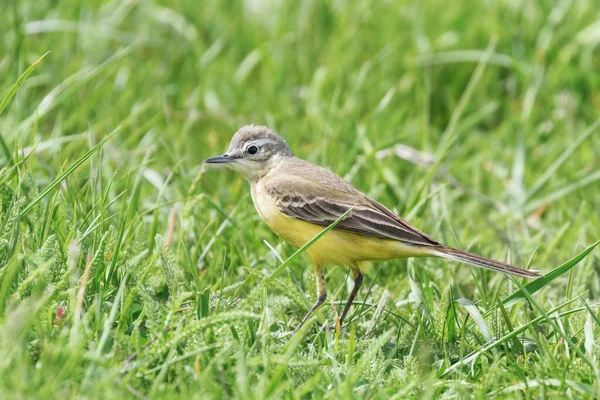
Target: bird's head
<point>253,152</point>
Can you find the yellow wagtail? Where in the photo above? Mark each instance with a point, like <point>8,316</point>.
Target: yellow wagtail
<point>298,199</point>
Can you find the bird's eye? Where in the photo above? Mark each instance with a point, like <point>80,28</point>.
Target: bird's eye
<point>252,149</point>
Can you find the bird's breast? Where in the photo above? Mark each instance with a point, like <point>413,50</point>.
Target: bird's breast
<point>291,230</point>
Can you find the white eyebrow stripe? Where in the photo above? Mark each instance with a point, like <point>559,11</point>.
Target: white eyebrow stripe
<point>258,142</point>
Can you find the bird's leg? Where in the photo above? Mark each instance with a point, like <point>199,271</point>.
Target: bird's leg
<point>358,280</point>
<point>321,294</point>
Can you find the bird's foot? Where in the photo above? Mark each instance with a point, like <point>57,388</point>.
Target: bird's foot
<point>332,327</point>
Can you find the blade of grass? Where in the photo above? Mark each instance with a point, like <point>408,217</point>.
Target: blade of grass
<point>67,86</point>
<point>8,97</point>
<point>64,175</point>
<point>562,192</point>
<point>302,249</point>
<point>591,313</point>
<point>366,358</point>
<point>531,384</point>
<point>541,282</point>
<point>11,92</point>
<point>561,159</point>
<point>228,216</point>
<point>567,340</point>
<point>108,322</point>
<point>288,351</point>
<point>589,336</point>
<point>450,134</point>
<point>506,338</point>
<point>477,317</point>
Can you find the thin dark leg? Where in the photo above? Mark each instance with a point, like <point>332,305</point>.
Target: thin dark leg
<point>320,301</point>
<point>358,280</point>
<point>321,295</point>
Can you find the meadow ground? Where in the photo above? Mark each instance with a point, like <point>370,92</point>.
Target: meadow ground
<point>127,269</point>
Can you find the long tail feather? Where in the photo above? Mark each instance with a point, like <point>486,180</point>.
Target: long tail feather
<point>473,259</point>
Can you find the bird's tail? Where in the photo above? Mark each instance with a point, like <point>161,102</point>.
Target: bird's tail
<point>473,259</point>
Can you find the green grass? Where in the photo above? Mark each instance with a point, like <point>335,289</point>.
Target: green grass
<point>128,270</point>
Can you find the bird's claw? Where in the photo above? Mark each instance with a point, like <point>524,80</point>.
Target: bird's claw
<point>331,327</point>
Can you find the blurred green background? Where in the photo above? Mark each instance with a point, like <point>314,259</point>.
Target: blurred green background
<point>504,94</point>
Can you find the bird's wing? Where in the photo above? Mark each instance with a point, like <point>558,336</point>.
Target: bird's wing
<point>318,196</point>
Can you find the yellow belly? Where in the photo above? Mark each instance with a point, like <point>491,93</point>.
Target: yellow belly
<point>336,247</point>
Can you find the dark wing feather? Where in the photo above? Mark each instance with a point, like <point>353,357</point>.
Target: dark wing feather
<point>318,196</point>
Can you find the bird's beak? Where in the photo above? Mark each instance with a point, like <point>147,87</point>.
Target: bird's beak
<point>220,159</point>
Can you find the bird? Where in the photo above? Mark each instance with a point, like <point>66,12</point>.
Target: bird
<point>298,199</point>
